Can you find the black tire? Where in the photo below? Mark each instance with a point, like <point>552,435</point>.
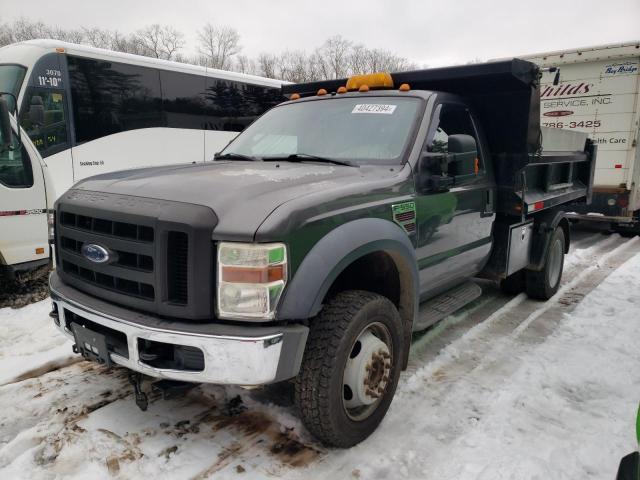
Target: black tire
<point>319,386</point>
<point>544,284</point>
<point>514,283</point>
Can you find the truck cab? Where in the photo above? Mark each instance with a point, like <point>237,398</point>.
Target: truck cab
<point>321,238</point>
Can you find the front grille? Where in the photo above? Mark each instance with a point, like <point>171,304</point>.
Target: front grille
<point>125,259</point>
<point>107,227</point>
<point>151,266</point>
<point>177,273</point>
<point>110,282</point>
<point>130,271</point>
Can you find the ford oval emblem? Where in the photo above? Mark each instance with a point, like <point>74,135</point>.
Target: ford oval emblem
<point>95,253</point>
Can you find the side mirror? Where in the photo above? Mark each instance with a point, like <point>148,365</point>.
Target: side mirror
<point>463,151</point>
<point>36,111</point>
<point>5,125</point>
<point>432,173</point>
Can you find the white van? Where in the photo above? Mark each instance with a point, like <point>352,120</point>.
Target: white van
<point>598,93</point>
<point>89,111</point>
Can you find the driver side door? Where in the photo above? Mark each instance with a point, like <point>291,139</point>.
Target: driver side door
<point>454,225</point>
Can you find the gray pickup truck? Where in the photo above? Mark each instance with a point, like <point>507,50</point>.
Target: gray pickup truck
<point>321,238</point>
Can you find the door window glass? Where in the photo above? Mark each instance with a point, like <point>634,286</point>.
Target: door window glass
<point>11,77</point>
<point>15,168</point>
<point>43,118</point>
<point>453,120</point>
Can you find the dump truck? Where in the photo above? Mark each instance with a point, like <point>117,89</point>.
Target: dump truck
<point>326,234</point>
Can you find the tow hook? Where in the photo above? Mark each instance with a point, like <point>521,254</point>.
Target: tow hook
<point>142,401</point>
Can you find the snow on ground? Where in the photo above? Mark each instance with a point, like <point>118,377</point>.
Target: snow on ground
<point>529,393</point>
<point>28,341</point>
<point>566,412</point>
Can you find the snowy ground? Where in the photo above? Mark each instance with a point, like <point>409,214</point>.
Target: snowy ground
<point>508,389</point>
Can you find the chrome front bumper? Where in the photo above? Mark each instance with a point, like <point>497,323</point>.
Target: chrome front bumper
<point>245,355</point>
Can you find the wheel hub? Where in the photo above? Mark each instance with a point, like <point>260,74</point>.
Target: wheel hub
<point>367,371</point>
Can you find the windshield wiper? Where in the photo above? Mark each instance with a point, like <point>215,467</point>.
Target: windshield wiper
<point>235,156</point>
<point>300,157</point>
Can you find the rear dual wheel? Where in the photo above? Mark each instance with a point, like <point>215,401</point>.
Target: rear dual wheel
<point>350,367</point>
<point>545,283</point>
<point>542,284</point>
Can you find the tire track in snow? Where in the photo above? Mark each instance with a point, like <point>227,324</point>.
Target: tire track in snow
<point>484,357</point>
<point>492,305</point>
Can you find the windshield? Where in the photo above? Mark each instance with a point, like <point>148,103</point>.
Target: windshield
<point>359,130</point>
<point>11,77</point>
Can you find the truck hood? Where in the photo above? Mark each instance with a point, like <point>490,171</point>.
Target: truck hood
<point>242,194</point>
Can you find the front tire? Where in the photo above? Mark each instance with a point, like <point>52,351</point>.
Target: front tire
<point>350,368</point>
<point>544,284</point>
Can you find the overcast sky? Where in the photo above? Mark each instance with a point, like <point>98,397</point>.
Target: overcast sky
<point>425,31</point>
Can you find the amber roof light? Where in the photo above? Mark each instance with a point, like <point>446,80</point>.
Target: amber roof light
<point>371,80</point>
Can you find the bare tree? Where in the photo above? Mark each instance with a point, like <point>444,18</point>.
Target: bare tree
<point>244,64</point>
<point>385,61</point>
<point>267,65</point>
<point>159,41</point>
<point>219,45</point>
<point>72,36</point>
<point>22,29</point>
<point>99,38</point>
<point>5,35</point>
<point>358,59</point>
<point>293,66</point>
<point>334,56</point>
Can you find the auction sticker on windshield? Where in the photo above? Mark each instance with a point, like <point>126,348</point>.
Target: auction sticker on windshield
<point>374,108</point>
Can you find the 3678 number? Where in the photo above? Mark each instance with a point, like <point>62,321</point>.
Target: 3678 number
<point>581,124</point>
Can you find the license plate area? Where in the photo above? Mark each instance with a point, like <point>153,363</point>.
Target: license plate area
<point>91,345</point>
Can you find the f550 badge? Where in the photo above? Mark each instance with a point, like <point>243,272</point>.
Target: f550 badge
<point>404,214</point>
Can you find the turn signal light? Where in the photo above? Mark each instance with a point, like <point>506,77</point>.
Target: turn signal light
<point>253,274</point>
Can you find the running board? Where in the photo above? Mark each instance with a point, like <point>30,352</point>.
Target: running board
<point>445,304</point>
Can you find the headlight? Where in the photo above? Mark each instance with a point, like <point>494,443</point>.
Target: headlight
<point>251,278</point>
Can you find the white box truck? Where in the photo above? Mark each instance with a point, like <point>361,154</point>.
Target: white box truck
<point>89,111</point>
<point>598,93</point>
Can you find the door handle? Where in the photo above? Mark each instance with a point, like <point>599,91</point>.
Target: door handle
<point>489,201</point>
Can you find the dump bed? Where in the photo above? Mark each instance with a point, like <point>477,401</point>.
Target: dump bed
<point>535,169</point>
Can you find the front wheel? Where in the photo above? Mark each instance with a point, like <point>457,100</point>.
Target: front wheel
<point>544,284</point>
<point>350,367</point>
